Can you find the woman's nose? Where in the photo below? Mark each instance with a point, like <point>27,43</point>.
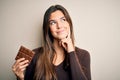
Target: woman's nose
<point>59,24</point>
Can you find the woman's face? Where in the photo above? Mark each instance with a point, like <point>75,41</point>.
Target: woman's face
<point>59,26</point>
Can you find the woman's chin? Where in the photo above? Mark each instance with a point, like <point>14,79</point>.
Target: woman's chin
<point>61,37</point>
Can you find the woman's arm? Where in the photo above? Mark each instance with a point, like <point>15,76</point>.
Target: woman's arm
<point>30,70</point>
<point>80,65</point>
<point>29,73</point>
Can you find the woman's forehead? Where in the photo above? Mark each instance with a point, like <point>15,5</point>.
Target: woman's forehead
<point>56,15</point>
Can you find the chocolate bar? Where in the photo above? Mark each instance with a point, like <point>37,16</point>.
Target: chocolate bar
<point>24,53</point>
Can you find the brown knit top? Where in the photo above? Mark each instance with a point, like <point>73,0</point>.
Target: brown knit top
<point>76,66</point>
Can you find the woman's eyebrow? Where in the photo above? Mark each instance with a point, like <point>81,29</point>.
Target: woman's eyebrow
<point>51,21</point>
<point>59,18</point>
<point>63,17</point>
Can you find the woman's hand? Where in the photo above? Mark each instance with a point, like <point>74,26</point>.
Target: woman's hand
<point>19,67</point>
<point>67,43</point>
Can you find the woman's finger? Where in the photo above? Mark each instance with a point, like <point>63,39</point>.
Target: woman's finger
<point>21,68</point>
<point>17,62</point>
<point>22,64</point>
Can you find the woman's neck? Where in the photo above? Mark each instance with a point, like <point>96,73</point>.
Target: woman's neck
<point>58,48</point>
<point>59,56</point>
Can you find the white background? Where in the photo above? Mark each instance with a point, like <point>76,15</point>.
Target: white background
<point>96,28</point>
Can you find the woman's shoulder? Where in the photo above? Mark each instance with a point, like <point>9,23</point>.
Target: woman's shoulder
<point>81,52</point>
<point>38,50</point>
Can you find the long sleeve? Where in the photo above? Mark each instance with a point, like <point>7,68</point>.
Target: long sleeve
<point>29,73</point>
<point>80,65</point>
<point>30,70</point>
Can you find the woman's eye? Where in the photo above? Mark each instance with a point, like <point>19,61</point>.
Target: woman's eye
<point>63,19</point>
<point>52,22</point>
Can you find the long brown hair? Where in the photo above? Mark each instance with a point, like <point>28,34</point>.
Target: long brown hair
<point>44,69</point>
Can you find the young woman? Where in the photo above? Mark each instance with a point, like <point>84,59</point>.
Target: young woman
<point>58,58</point>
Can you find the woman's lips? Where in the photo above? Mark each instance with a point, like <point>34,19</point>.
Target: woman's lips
<point>60,31</point>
